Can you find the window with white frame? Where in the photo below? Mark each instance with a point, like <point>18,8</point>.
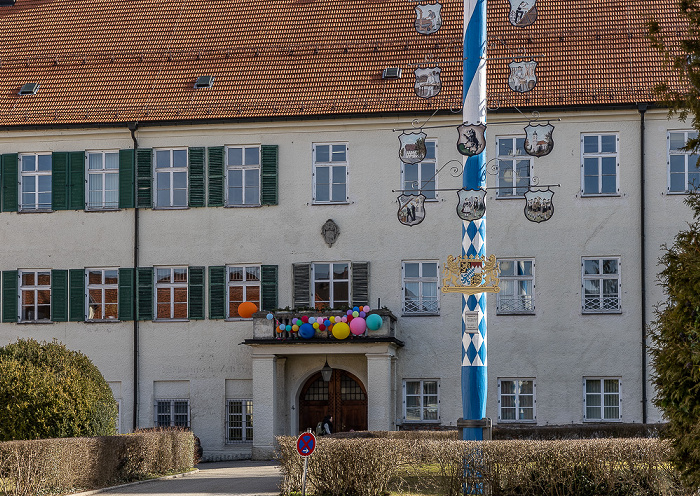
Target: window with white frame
<point>331,285</point>
<point>102,180</point>
<point>243,285</point>
<point>683,171</point>
<point>35,295</point>
<point>172,413</point>
<point>514,167</point>
<point>599,165</point>
<point>239,421</point>
<point>421,177</point>
<point>171,293</point>
<point>103,294</point>
<point>602,399</point>
<point>35,181</point>
<point>601,284</point>
<point>421,399</point>
<point>516,400</point>
<point>171,177</point>
<point>242,175</point>
<point>517,281</point>
<point>420,288</point>
<point>330,172</point>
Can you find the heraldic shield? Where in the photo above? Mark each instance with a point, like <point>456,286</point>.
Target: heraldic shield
<point>522,76</point>
<point>538,205</point>
<point>522,12</point>
<point>471,204</point>
<point>412,149</point>
<point>428,19</point>
<point>471,139</point>
<point>411,209</point>
<point>538,139</point>
<point>428,82</point>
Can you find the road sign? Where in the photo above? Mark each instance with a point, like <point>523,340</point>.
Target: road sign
<point>306,443</point>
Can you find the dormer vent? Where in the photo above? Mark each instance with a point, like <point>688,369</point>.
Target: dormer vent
<point>204,82</point>
<point>391,73</point>
<point>29,89</point>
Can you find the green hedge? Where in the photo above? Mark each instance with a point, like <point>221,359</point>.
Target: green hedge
<point>58,466</point>
<point>420,465</point>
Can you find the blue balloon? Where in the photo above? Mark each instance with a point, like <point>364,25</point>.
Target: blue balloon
<point>355,309</point>
<point>327,323</point>
<point>289,328</point>
<point>312,320</point>
<point>307,331</point>
<point>270,316</point>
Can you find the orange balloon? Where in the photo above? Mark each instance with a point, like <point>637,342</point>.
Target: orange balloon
<point>247,309</point>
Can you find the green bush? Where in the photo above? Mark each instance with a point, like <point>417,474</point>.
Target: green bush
<point>48,391</point>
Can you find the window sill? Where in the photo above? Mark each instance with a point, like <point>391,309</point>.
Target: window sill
<point>103,321</point>
<point>116,209</point>
<point>510,197</point>
<point>238,443</point>
<point>257,205</point>
<point>41,322</point>
<point>422,421</point>
<point>170,208</point>
<point>601,312</point>
<point>516,422</point>
<point>416,314</point>
<point>602,421</point>
<point>35,211</point>
<point>238,319</point>
<point>529,312</point>
<point>602,195</point>
<point>679,193</point>
<point>170,320</point>
<point>330,203</point>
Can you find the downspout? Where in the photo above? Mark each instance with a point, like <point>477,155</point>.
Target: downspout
<point>642,108</point>
<point>132,127</point>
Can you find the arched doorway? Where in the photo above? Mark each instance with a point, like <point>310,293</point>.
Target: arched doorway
<point>344,397</point>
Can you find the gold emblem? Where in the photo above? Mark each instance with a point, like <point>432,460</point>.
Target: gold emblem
<point>470,275</point>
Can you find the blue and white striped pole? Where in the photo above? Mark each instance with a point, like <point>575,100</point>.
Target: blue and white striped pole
<point>474,233</point>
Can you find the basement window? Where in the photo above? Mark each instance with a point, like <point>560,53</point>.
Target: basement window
<point>204,82</point>
<point>29,88</point>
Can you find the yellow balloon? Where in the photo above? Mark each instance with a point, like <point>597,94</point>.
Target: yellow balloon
<point>315,325</point>
<point>341,330</point>
<point>295,328</point>
<point>332,319</point>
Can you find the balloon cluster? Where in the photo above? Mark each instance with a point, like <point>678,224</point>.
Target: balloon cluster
<point>355,322</point>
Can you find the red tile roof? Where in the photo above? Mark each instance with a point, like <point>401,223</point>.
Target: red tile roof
<point>137,60</point>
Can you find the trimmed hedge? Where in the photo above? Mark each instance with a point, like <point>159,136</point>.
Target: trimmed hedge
<point>371,466</point>
<point>58,466</point>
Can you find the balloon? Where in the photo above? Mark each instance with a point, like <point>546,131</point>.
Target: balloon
<point>307,331</point>
<point>355,313</point>
<point>281,328</point>
<point>326,322</point>
<point>304,319</point>
<point>311,320</point>
<point>295,328</point>
<point>299,322</point>
<point>341,330</point>
<point>349,312</point>
<point>316,325</point>
<point>374,322</point>
<point>363,314</point>
<point>358,326</point>
<point>288,327</point>
<point>355,309</point>
<point>321,327</point>
<point>270,316</point>
<point>247,309</point>
<point>344,319</point>
<point>332,319</point>
<point>366,308</point>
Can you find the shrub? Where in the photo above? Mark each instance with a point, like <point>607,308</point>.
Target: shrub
<point>48,391</point>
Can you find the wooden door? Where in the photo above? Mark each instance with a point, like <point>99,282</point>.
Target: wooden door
<point>344,397</point>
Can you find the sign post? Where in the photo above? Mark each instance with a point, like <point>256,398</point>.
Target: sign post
<point>306,444</point>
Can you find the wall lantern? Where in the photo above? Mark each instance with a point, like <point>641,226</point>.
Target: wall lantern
<point>326,372</point>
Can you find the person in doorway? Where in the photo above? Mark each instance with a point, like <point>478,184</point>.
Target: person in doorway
<point>327,425</point>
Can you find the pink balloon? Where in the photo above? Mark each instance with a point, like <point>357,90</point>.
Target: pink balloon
<point>366,308</point>
<point>345,319</point>
<point>358,326</point>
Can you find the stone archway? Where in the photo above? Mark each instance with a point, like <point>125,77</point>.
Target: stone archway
<point>344,397</point>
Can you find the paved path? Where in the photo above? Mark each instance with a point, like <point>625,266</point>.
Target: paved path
<point>236,478</point>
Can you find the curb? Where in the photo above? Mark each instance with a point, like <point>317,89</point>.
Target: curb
<point>112,488</point>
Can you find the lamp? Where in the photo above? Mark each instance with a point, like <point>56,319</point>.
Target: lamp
<point>326,372</point>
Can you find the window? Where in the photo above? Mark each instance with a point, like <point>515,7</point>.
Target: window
<point>171,293</point>
<point>243,175</point>
<point>243,285</point>
<point>420,288</point>
<point>599,165</point>
<point>421,177</point>
<point>421,401</point>
<point>601,399</point>
<point>35,181</point>
<point>103,180</point>
<point>683,171</point>
<point>239,421</point>
<point>171,178</point>
<point>330,172</point>
<point>601,284</point>
<point>35,295</point>
<point>517,286</point>
<point>514,166</point>
<point>172,413</point>
<point>103,292</point>
<point>516,400</point>
<point>331,285</point>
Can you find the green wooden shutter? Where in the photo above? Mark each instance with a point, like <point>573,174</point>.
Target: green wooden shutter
<point>360,283</point>
<point>126,293</point>
<point>217,292</point>
<point>76,285</point>
<point>144,295</point>
<point>195,293</point>
<point>196,177</point>
<point>268,191</point>
<point>126,179</point>
<point>216,176</point>
<point>268,287</point>
<point>76,180</point>
<point>59,180</point>
<point>301,290</point>
<point>10,185</point>
<point>9,295</point>
<point>144,177</point>
<point>59,295</point>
